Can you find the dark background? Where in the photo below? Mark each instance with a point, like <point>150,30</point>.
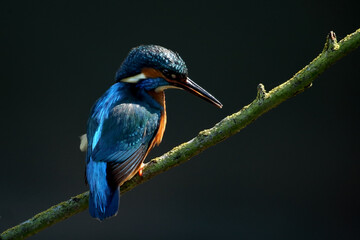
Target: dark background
<point>292,174</point>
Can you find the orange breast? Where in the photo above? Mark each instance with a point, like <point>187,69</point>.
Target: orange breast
<point>160,98</point>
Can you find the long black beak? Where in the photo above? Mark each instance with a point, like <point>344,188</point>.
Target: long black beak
<point>190,86</point>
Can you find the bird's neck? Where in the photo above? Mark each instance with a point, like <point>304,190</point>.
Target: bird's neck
<point>158,97</point>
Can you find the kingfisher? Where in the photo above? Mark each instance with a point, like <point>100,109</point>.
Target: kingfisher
<point>128,120</point>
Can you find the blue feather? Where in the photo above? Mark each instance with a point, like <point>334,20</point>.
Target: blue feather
<point>103,200</point>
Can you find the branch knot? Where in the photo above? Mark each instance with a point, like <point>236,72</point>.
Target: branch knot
<point>331,42</point>
<point>261,92</point>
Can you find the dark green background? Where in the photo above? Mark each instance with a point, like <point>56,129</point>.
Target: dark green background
<point>292,174</point>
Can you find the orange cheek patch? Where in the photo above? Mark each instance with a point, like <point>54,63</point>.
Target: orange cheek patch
<point>152,73</point>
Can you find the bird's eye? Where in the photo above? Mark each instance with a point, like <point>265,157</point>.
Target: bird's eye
<point>169,74</point>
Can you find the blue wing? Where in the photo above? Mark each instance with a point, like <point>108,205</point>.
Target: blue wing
<point>119,135</point>
<point>124,139</point>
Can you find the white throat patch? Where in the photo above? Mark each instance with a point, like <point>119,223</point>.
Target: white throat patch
<point>134,79</point>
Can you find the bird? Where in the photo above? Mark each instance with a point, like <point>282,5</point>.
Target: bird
<point>129,120</point>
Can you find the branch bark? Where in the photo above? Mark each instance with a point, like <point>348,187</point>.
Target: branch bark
<point>229,126</point>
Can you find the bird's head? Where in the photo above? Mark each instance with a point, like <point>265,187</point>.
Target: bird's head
<point>156,68</point>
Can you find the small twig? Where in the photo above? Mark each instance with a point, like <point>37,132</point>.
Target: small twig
<point>232,124</point>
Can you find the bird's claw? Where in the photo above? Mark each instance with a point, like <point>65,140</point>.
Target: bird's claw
<point>141,169</point>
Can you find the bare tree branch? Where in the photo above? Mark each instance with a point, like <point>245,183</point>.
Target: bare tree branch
<point>229,126</point>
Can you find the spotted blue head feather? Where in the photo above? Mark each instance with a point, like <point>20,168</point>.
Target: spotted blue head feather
<point>151,56</point>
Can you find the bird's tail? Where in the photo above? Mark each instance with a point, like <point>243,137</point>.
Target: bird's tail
<point>103,199</point>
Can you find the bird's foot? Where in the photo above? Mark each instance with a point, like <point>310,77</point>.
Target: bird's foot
<point>141,169</point>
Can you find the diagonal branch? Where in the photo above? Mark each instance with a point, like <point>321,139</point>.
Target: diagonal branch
<point>229,126</point>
